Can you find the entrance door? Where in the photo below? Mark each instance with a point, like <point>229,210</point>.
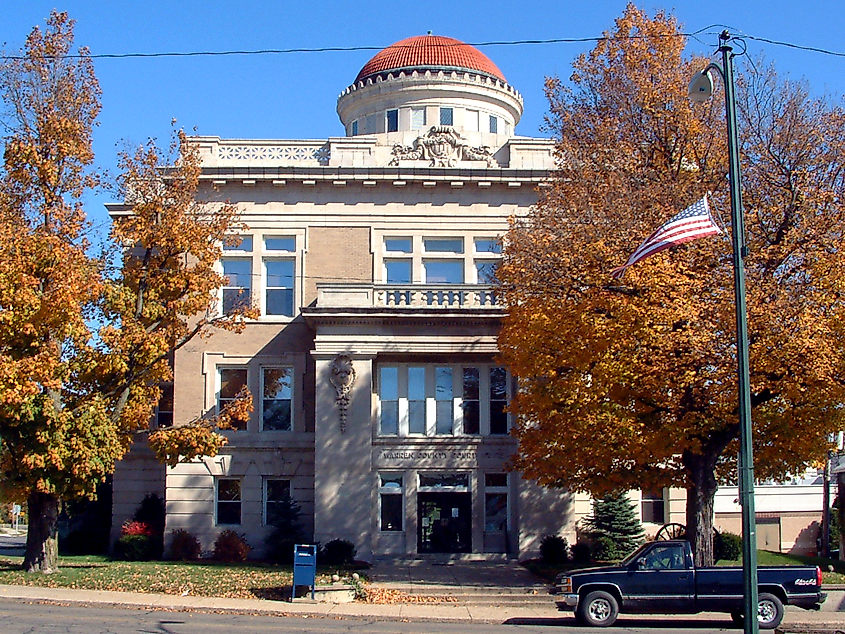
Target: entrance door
<point>444,523</point>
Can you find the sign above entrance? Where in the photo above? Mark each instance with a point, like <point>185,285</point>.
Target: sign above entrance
<point>420,455</point>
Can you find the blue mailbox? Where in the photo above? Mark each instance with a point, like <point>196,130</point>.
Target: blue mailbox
<point>304,568</point>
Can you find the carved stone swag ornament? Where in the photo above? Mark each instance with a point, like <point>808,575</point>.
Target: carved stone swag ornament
<point>442,147</point>
<point>343,378</point>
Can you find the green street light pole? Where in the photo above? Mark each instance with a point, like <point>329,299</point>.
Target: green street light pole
<point>700,90</point>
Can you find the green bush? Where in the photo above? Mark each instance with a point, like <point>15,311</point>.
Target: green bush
<point>184,546</point>
<point>604,548</point>
<point>554,549</point>
<point>726,546</point>
<point>581,553</point>
<point>286,533</point>
<point>137,548</point>
<point>230,547</point>
<point>337,552</point>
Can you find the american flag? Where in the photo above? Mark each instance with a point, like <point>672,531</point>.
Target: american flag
<point>693,222</point>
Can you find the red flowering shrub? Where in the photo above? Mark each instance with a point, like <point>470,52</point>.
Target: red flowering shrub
<point>131,527</point>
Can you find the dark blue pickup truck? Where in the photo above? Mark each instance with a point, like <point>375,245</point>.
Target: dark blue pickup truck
<point>661,578</point>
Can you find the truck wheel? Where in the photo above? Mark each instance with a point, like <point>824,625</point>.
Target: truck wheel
<point>598,608</point>
<point>769,611</point>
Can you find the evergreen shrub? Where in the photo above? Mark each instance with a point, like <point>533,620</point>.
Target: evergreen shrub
<point>554,549</point>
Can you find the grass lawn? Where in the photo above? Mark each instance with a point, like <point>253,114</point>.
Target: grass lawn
<point>205,578</point>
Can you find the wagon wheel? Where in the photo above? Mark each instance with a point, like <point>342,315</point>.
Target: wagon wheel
<point>671,531</point>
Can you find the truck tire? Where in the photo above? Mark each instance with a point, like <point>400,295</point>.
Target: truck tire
<point>598,609</point>
<point>769,611</point>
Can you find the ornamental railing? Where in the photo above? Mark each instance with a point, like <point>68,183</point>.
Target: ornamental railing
<point>445,296</point>
<point>272,153</point>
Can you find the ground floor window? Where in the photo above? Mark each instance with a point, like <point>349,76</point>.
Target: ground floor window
<point>653,507</point>
<point>277,501</point>
<point>228,501</point>
<point>442,400</point>
<point>391,502</point>
<point>495,502</point>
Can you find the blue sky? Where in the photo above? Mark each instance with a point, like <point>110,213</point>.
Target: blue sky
<point>294,95</point>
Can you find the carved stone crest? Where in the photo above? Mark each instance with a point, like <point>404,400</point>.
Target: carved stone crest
<point>343,378</point>
<point>442,146</point>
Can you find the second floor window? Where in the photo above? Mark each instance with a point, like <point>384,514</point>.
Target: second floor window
<point>279,287</point>
<point>442,400</point>
<point>237,290</point>
<point>232,381</point>
<point>276,412</point>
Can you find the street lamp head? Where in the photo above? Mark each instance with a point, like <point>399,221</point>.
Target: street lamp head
<point>701,86</point>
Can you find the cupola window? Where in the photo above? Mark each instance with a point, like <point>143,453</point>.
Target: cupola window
<point>447,116</point>
<point>392,120</point>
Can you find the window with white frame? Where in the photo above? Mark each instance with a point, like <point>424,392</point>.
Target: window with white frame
<point>242,243</point>
<point>391,120</point>
<point>276,399</point>
<point>231,382</point>
<point>442,400</point>
<point>237,289</point>
<point>495,502</point>
<point>391,502</point>
<point>417,118</point>
<point>278,286</point>
<point>228,502</point>
<point>653,506</point>
<point>471,119</point>
<point>277,501</point>
<point>164,408</point>
<point>439,261</point>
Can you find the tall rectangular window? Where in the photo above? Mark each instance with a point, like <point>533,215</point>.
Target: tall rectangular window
<point>653,507</point>
<point>392,120</point>
<point>443,395</point>
<point>471,401</point>
<point>392,512</point>
<point>237,289</point>
<point>279,275</point>
<point>447,116</point>
<point>494,124</point>
<point>498,400</point>
<point>164,410</point>
<point>416,400</point>
<point>277,501</point>
<point>471,120</point>
<point>228,502</point>
<point>355,128</point>
<point>495,502</point>
<point>232,381</point>
<point>276,401</point>
<point>417,118</point>
<point>389,399</point>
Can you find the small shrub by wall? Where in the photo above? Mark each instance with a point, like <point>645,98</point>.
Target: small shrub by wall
<point>184,546</point>
<point>231,547</point>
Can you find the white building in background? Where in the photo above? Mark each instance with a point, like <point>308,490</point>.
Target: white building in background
<point>379,404</point>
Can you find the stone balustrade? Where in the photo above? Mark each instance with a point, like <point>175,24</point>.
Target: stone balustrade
<point>451,296</point>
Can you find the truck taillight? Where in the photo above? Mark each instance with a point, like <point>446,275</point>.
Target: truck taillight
<point>818,577</point>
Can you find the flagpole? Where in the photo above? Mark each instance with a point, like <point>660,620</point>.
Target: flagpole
<point>700,92</point>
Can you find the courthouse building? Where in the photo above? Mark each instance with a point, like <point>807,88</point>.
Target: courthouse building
<point>379,403</point>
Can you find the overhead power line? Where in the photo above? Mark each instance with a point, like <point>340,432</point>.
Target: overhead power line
<point>348,49</point>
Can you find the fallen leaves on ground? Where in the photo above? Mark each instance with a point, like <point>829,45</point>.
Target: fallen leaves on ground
<point>388,596</point>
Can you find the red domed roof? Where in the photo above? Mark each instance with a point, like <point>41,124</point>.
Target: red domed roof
<point>429,52</point>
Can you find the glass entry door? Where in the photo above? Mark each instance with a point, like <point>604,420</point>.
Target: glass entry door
<point>444,522</point>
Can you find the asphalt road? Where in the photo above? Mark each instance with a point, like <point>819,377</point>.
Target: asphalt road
<point>18,617</point>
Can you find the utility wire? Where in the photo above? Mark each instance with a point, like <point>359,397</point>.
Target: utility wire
<point>347,49</point>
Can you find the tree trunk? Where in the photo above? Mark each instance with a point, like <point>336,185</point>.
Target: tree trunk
<point>42,542</point>
<point>700,497</point>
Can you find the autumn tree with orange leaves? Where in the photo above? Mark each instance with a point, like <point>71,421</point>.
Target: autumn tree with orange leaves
<point>83,346</point>
<point>633,383</point>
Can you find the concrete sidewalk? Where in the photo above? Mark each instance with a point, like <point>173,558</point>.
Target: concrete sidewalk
<point>477,592</point>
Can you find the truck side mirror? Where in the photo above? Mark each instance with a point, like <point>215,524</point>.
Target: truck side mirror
<point>641,563</point>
